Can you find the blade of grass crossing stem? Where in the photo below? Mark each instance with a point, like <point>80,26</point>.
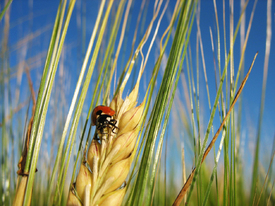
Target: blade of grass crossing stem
<point>208,130</point>
<point>226,192</point>
<point>71,138</point>
<point>211,117</point>
<point>161,102</point>
<point>191,177</point>
<point>214,172</point>
<point>232,133</point>
<point>233,89</point>
<point>196,105</point>
<point>44,109</point>
<point>221,143</point>
<point>232,118</point>
<point>234,37</point>
<point>222,99</point>
<point>207,87</point>
<point>59,152</point>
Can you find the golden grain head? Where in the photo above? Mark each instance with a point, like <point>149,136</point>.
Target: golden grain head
<point>109,158</point>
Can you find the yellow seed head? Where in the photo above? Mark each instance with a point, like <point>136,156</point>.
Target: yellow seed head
<point>109,159</point>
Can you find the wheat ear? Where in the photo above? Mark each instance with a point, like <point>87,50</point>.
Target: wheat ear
<point>101,181</point>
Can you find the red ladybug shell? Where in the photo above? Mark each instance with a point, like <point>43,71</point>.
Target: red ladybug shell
<point>98,110</point>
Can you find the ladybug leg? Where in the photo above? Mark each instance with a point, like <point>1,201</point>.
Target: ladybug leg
<point>113,130</point>
<point>105,122</point>
<point>113,121</point>
<point>113,124</point>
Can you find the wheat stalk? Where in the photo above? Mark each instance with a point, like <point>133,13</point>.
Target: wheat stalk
<point>101,180</point>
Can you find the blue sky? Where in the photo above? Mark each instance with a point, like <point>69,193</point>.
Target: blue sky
<point>256,42</point>
<point>37,18</point>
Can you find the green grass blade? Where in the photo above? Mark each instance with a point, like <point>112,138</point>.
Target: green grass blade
<point>45,108</point>
<point>161,102</point>
<point>71,138</point>
<point>4,10</point>
<point>212,114</point>
<point>78,85</point>
<point>97,91</point>
<point>150,90</point>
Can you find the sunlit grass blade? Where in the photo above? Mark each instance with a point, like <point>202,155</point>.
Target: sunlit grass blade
<point>149,92</point>
<point>186,35</point>
<point>45,101</point>
<point>72,134</point>
<point>69,116</point>
<point>162,100</point>
<point>97,90</point>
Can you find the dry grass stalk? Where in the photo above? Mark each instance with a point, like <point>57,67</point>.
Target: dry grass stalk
<point>188,182</point>
<point>101,181</point>
<point>20,192</point>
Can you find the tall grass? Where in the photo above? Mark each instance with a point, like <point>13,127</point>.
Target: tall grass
<point>64,160</point>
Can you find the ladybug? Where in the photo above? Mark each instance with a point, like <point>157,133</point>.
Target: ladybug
<point>102,117</point>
